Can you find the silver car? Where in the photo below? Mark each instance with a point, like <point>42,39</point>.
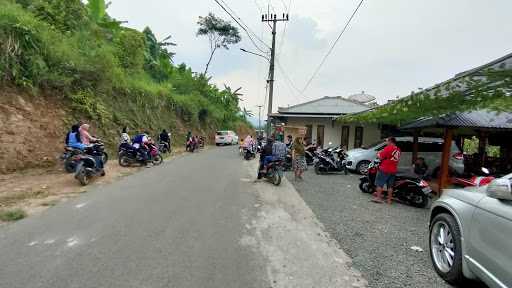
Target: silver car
<point>429,148</point>
<point>471,234</point>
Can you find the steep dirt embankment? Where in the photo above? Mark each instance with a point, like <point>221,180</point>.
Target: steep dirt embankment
<point>31,130</point>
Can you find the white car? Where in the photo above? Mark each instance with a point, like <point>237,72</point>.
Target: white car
<point>429,148</point>
<point>226,137</point>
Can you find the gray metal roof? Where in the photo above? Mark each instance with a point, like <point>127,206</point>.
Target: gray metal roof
<point>483,119</point>
<point>326,105</point>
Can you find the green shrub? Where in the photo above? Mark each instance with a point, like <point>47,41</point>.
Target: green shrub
<point>12,215</point>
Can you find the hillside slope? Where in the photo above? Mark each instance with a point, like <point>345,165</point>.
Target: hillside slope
<point>63,61</point>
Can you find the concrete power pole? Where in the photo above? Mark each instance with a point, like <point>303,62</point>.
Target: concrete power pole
<point>259,120</point>
<point>272,18</point>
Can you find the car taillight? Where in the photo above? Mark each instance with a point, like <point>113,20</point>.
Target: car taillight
<point>423,183</point>
<point>458,156</point>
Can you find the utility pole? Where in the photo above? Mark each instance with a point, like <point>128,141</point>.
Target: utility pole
<point>272,18</point>
<point>259,120</point>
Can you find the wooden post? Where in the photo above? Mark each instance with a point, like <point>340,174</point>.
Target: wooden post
<point>445,160</point>
<point>415,146</point>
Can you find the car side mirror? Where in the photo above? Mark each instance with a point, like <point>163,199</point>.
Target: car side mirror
<point>500,189</point>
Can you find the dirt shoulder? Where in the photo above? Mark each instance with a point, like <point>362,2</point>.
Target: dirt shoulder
<point>35,190</point>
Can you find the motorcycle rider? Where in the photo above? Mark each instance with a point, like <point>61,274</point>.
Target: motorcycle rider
<point>389,156</point>
<point>73,138</point>
<point>289,142</point>
<point>85,137</point>
<point>125,138</point>
<point>165,137</point>
<point>266,151</point>
<point>139,142</point>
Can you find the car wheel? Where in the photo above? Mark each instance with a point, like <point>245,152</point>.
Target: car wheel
<point>446,248</point>
<point>362,166</point>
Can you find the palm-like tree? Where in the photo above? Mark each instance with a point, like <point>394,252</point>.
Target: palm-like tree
<point>247,113</point>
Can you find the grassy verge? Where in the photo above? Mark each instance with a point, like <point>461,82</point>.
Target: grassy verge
<point>12,215</point>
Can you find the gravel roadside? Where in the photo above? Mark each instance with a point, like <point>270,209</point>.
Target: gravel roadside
<point>377,237</point>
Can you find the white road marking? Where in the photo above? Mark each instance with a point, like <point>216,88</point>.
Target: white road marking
<point>49,241</point>
<point>72,241</point>
<point>245,179</point>
<point>33,243</point>
<point>78,206</point>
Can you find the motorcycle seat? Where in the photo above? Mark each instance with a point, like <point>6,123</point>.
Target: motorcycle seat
<point>407,175</point>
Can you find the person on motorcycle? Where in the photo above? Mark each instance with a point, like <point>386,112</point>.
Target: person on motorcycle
<point>139,142</point>
<point>85,137</point>
<point>248,143</point>
<point>73,138</point>
<point>125,138</point>
<point>266,151</point>
<point>165,137</point>
<point>389,156</point>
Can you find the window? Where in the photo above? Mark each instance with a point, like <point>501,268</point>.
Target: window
<point>345,134</point>
<point>309,132</point>
<point>358,137</point>
<point>320,135</point>
<point>430,147</point>
<point>405,146</point>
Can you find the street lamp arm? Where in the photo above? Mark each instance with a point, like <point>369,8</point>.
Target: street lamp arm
<point>250,52</point>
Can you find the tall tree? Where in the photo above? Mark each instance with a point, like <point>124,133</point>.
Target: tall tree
<point>220,34</point>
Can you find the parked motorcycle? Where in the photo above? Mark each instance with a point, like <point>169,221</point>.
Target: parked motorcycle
<point>90,164</point>
<point>249,152</point>
<point>331,160</point>
<point>474,180</point>
<point>407,188</point>
<point>310,155</point>
<point>70,158</point>
<point>129,156</point>
<point>191,145</point>
<point>164,147</point>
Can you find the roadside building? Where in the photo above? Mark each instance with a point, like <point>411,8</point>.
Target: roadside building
<point>319,117</point>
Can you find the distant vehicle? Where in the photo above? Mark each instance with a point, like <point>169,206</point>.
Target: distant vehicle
<point>227,137</point>
<point>470,234</point>
<point>429,148</point>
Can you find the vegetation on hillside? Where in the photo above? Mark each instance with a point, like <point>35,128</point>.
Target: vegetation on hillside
<point>107,73</point>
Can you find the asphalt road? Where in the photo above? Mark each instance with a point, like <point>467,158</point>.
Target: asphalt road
<point>177,225</point>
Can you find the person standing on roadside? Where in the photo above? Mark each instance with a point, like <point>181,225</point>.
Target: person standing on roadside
<point>389,156</point>
<point>299,159</point>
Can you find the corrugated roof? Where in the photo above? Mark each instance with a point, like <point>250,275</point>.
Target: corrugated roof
<point>326,105</point>
<point>483,119</point>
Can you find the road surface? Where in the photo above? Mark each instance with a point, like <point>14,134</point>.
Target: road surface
<point>196,221</point>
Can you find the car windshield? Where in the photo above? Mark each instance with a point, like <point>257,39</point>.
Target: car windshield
<point>222,133</point>
<point>373,145</point>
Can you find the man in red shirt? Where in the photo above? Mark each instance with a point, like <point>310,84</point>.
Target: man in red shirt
<point>389,156</point>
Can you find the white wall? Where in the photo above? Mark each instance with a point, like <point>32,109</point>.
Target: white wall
<point>332,130</point>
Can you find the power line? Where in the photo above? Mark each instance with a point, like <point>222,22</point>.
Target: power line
<point>332,47</point>
<point>243,26</point>
<point>289,81</point>
<point>284,28</point>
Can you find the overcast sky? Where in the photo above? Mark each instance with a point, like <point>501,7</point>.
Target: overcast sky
<point>391,48</point>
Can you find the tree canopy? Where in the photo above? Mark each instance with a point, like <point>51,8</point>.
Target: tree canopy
<point>220,33</point>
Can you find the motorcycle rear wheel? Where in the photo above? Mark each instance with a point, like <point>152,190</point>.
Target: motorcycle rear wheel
<point>420,200</point>
<point>364,186</point>
<point>81,176</point>
<point>157,160</point>
<point>276,179</point>
<point>104,157</point>
<point>69,165</point>
<point>124,161</point>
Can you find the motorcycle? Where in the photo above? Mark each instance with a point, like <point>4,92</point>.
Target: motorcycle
<point>128,155</point>
<point>191,145</point>
<point>331,160</point>
<point>274,172</point>
<point>408,188</point>
<point>310,155</point>
<point>164,147</point>
<point>90,163</point>
<point>474,180</point>
<point>249,152</point>
<point>70,158</point>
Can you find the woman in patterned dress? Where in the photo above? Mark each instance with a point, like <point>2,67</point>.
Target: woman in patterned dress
<point>299,159</point>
